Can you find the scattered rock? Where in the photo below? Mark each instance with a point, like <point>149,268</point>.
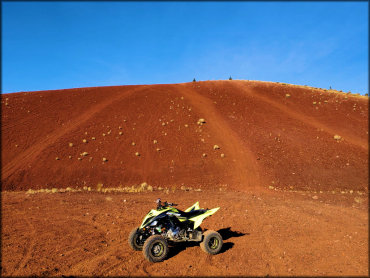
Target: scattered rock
<point>84,154</point>
<point>204,155</point>
<point>337,137</point>
<point>84,141</point>
<point>222,155</point>
<point>271,187</point>
<point>201,121</point>
<point>120,133</point>
<point>216,147</point>
<point>155,141</point>
<point>133,144</point>
<point>104,159</point>
<point>315,197</point>
<point>287,95</point>
<point>57,158</point>
<point>137,154</point>
<point>93,138</point>
<point>70,144</point>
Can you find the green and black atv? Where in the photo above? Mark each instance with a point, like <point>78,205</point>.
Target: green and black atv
<point>167,223</point>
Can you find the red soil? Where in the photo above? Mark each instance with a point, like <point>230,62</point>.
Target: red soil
<point>314,221</point>
<point>267,138</point>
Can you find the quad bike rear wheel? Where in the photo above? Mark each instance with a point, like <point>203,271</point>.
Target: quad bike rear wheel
<point>212,242</point>
<point>135,241</point>
<point>155,249</point>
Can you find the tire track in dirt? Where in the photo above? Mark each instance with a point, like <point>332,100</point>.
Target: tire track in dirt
<point>32,152</point>
<point>28,252</point>
<point>246,169</point>
<point>308,120</point>
<point>93,261</point>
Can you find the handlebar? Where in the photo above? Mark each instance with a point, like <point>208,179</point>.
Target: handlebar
<point>159,204</point>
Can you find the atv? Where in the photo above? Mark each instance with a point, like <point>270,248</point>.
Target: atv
<point>168,224</point>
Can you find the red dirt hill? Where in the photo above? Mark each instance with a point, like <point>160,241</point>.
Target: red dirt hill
<point>268,134</point>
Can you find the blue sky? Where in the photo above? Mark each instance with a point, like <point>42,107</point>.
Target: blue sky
<point>58,45</point>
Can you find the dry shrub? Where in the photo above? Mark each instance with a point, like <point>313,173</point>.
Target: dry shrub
<point>99,187</point>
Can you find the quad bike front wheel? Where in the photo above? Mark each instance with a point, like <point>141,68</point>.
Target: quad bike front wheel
<point>212,242</point>
<point>135,241</point>
<point>155,249</point>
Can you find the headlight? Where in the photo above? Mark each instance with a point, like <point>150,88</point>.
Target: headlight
<point>154,223</point>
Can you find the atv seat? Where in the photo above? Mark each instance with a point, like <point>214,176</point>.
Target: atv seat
<point>192,213</point>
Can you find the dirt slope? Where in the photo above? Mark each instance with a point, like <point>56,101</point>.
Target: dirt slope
<point>270,134</point>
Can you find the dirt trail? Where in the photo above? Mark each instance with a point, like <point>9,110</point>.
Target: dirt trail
<point>299,116</point>
<point>245,166</point>
<point>32,152</point>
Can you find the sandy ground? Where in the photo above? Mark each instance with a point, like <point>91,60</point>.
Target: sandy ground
<point>265,233</point>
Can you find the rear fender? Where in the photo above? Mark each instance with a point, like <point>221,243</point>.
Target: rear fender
<point>199,218</point>
<point>193,207</point>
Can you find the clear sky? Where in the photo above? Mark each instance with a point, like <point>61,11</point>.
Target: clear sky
<point>59,45</point>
